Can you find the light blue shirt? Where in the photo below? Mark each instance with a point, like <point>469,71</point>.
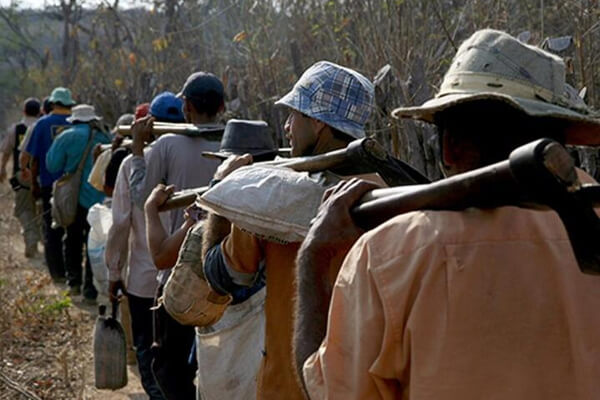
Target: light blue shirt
<point>66,152</point>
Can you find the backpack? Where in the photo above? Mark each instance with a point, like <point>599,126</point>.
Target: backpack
<point>20,130</point>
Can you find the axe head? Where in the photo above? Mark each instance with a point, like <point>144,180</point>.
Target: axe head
<point>364,156</point>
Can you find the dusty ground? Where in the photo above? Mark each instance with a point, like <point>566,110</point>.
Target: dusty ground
<point>45,336</point>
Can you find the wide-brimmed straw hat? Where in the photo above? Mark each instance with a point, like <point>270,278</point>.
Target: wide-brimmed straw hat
<point>492,65</point>
<point>83,113</point>
<point>245,136</point>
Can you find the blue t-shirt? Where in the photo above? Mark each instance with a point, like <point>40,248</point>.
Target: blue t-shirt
<point>45,131</point>
<point>66,152</point>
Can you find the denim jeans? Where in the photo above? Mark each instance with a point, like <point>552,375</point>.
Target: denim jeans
<point>141,325</point>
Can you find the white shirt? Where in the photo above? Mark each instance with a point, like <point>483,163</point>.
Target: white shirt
<point>128,232</point>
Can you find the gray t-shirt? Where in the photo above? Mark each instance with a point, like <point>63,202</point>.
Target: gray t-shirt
<point>174,160</point>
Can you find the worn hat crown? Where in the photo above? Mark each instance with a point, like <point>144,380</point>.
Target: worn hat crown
<point>83,113</point>
<point>125,119</point>
<point>492,65</point>
<point>61,95</point>
<point>167,107</point>
<point>247,136</point>
<point>338,96</point>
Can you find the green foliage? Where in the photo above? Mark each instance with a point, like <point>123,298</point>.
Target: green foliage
<point>56,305</point>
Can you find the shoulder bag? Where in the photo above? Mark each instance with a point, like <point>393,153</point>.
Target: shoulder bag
<point>65,191</point>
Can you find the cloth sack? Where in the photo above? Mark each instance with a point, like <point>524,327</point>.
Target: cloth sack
<point>100,219</point>
<point>187,297</point>
<point>96,178</point>
<point>274,203</point>
<point>65,191</point>
<point>110,360</point>
<point>229,352</point>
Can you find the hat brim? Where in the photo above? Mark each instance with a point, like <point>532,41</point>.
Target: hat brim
<point>583,130</point>
<point>62,101</point>
<point>83,119</point>
<point>222,155</point>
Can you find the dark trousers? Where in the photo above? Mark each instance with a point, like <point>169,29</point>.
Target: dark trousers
<point>75,243</point>
<point>67,255</point>
<point>141,325</point>
<point>53,244</point>
<point>172,347</point>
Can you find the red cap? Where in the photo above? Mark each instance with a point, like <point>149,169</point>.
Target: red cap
<point>142,110</point>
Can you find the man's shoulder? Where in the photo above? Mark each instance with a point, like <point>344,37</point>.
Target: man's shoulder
<point>418,230</point>
<point>184,145</point>
<point>72,132</point>
<point>49,123</point>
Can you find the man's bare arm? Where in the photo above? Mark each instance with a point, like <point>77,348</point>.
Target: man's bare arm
<point>319,259</point>
<point>216,227</point>
<point>5,158</point>
<point>163,247</point>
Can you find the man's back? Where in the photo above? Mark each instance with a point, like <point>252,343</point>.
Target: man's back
<point>473,304</point>
<point>177,160</point>
<point>65,154</point>
<point>45,131</point>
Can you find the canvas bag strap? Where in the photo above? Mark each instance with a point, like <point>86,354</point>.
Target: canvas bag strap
<point>88,147</point>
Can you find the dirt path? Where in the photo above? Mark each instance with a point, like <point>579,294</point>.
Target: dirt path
<point>45,336</point>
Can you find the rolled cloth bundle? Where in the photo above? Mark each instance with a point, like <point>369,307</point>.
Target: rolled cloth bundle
<point>179,128</point>
<point>212,132</point>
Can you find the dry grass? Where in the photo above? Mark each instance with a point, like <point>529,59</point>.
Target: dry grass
<point>45,336</point>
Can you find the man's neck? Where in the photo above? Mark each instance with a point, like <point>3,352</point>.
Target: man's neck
<point>327,142</point>
<point>57,110</point>
<point>201,119</point>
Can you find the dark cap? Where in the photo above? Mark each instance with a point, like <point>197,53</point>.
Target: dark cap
<point>246,136</point>
<point>201,83</point>
<point>47,106</point>
<point>32,107</point>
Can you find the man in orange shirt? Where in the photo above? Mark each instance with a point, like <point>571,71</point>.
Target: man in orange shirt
<point>475,304</point>
<point>329,107</point>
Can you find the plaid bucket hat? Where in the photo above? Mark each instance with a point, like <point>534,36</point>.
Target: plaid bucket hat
<point>338,96</point>
<point>492,65</point>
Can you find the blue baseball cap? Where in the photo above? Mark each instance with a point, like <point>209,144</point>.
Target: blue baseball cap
<point>338,96</point>
<point>167,107</point>
<point>201,83</point>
